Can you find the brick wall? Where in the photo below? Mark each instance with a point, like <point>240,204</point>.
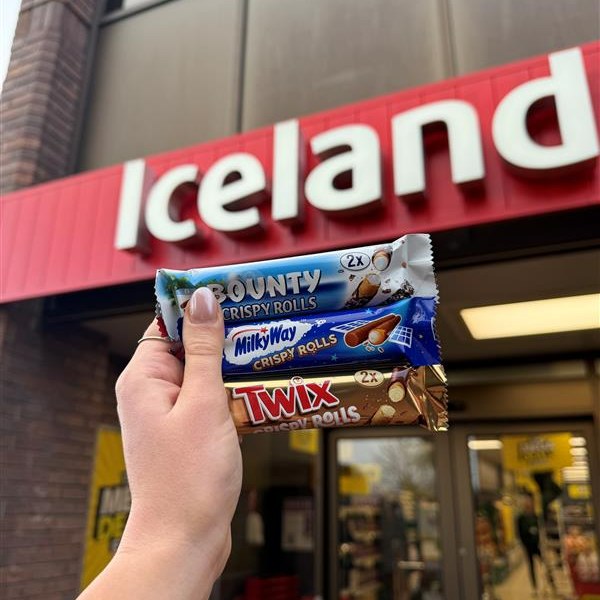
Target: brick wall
<point>56,385</point>
<point>41,101</point>
<point>57,389</point>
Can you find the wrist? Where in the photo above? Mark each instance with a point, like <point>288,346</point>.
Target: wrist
<point>157,570</point>
<point>160,542</point>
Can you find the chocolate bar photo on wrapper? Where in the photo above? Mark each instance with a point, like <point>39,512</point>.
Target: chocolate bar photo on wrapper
<point>338,339</point>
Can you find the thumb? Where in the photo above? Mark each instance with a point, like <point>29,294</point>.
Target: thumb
<point>203,335</point>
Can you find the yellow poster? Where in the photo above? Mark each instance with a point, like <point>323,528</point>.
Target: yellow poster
<point>359,479</point>
<point>305,440</point>
<point>579,491</point>
<point>543,452</point>
<point>353,483</point>
<point>108,505</point>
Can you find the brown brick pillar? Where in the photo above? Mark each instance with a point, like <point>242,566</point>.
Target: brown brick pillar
<point>41,102</point>
<point>56,384</point>
<point>57,389</point>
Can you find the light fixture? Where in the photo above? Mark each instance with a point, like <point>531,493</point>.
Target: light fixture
<point>577,441</point>
<point>579,451</point>
<point>485,444</point>
<point>553,315</point>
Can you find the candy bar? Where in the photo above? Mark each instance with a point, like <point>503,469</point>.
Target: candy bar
<point>366,396</point>
<point>401,333</point>
<point>302,285</point>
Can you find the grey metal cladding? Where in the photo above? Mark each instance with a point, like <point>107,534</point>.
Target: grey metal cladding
<point>163,79</point>
<point>493,32</point>
<point>310,55</point>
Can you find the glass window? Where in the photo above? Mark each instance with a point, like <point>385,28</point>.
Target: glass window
<point>388,520</point>
<point>273,530</point>
<point>534,520</point>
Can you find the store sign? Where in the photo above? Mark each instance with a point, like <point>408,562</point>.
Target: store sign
<point>231,206</point>
<point>109,505</point>
<point>535,453</point>
<point>509,142</point>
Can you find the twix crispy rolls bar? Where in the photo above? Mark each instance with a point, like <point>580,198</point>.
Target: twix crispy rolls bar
<point>367,396</point>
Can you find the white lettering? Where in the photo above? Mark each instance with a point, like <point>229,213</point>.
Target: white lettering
<point>289,157</point>
<point>130,232</point>
<point>232,187</point>
<point>161,213</point>
<point>362,159</point>
<point>567,83</point>
<point>464,141</point>
<point>214,195</point>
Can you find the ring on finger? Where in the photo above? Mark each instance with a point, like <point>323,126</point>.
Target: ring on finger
<point>155,337</point>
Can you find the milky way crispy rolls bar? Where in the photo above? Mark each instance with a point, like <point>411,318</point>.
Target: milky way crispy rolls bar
<point>367,396</point>
<point>344,279</point>
<point>401,333</point>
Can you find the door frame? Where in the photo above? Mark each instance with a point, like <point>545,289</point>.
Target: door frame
<point>441,440</point>
<point>462,491</point>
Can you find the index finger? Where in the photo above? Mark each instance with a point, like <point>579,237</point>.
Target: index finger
<point>154,354</point>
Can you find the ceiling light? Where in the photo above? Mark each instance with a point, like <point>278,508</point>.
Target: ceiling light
<point>485,445</point>
<point>579,452</point>
<point>577,441</point>
<point>553,315</point>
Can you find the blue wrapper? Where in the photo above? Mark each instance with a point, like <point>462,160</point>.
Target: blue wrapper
<point>401,333</point>
<point>342,280</point>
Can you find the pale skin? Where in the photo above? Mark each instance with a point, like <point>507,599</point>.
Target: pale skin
<point>183,464</point>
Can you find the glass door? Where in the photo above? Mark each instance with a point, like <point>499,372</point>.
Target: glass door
<point>532,529</point>
<point>390,520</point>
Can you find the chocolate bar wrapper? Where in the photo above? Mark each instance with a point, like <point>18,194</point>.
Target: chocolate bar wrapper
<point>401,333</point>
<point>367,396</point>
<point>345,279</point>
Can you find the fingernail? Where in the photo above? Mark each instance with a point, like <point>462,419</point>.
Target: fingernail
<point>203,306</point>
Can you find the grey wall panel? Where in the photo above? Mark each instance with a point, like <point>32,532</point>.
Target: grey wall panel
<point>493,32</point>
<point>307,55</point>
<point>163,79</point>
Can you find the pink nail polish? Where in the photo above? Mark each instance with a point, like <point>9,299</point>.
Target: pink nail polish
<point>203,306</point>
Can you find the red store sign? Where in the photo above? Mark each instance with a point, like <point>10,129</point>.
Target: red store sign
<point>505,143</point>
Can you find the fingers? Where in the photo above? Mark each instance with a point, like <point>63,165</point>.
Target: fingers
<point>152,349</point>
<point>150,383</point>
<point>203,343</point>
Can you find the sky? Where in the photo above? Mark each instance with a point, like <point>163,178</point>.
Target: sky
<point>9,11</point>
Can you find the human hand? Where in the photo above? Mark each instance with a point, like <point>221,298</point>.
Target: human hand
<point>183,462</point>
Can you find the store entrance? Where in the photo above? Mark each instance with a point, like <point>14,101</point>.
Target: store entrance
<point>529,506</point>
<point>391,524</point>
<point>488,511</point>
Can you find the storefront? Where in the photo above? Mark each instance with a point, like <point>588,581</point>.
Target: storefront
<point>501,167</point>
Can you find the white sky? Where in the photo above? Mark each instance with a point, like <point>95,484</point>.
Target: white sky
<point>9,11</point>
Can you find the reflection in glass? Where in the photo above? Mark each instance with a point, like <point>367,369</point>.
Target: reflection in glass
<point>389,539</point>
<point>534,522</point>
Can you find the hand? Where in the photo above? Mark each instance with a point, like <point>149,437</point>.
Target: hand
<point>183,463</point>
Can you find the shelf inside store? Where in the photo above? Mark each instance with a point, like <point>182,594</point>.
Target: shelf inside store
<point>578,520</point>
<point>365,537</point>
<point>368,561</point>
<point>365,588</point>
<point>419,565</point>
<point>346,512</point>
